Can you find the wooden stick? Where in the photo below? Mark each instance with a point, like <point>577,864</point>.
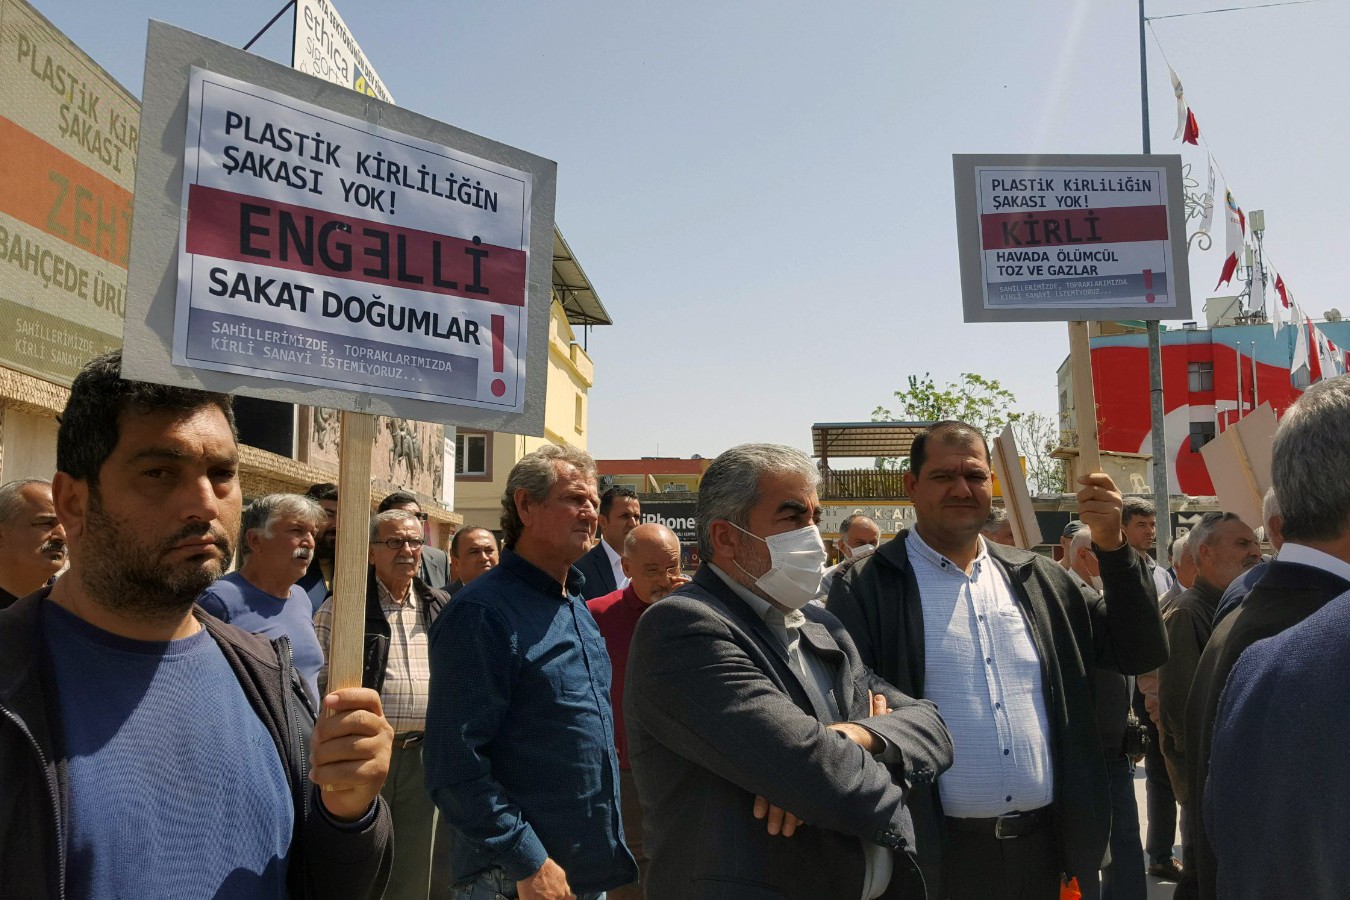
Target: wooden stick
<point>353,551</point>
<point>1084,398</point>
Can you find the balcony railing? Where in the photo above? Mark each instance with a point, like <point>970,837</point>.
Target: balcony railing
<point>862,484</point>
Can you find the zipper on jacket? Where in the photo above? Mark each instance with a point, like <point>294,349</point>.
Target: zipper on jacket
<point>52,795</point>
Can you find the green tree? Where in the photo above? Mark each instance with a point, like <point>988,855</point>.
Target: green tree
<point>983,403</point>
<point>987,405</point>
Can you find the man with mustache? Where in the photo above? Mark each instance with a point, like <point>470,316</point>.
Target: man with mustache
<point>276,543</point>
<point>1001,639</point>
<point>150,750</point>
<point>32,541</point>
<point>317,582</point>
<point>400,608</point>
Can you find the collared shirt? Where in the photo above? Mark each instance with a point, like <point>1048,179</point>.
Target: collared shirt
<point>519,752</point>
<point>1162,579</point>
<point>817,678</point>
<point>1297,553</point>
<point>983,671</point>
<point>616,563</point>
<point>407,671</point>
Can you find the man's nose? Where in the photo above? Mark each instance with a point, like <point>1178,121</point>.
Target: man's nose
<point>200,500</point>
<point>58,532</point>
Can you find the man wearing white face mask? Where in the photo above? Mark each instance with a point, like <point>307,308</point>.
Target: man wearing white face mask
<point>1083,566</point>
<point>743,703</point>
<point>858,536</point>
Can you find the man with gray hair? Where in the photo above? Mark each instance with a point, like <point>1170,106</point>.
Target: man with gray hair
<point>1242,586</point>
<point>400,610</point>
<point>744,703</point>
<point>276,544</point>
<point>1312,568</point>
<point>1224,547</point>
<point>520,738</point>
<point>32,541</point>
<point>998,527</point>
<point>858,537</point>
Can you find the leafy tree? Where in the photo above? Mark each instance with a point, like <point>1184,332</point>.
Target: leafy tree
<point>987,405</point>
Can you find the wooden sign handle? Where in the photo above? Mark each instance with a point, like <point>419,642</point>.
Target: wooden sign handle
<point>353,551</point>
<point>1084,398</point>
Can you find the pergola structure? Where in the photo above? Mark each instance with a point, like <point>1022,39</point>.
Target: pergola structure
<point>844,440</point>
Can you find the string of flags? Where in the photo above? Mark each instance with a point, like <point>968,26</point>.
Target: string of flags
<point>1315,355</point>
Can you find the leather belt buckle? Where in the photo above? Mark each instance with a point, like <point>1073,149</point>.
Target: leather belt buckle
<point>998,827</point>
<point>408,740</point>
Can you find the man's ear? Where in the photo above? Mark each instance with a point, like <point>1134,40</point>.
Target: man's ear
<point>70,497</point>
<point>724,539</point>
<point>623,561</point>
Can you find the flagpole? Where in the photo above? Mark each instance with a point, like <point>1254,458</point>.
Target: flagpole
<point>1161,495</point>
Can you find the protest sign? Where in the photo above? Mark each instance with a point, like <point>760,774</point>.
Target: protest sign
<point>1063,238</point>
<point>325,248</point>
<point>1007,465</point>
<point>1239,460</point>
<point>68,166</point>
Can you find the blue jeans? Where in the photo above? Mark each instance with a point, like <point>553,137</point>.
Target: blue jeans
<point>495,885</point>
<point>1124,878</point>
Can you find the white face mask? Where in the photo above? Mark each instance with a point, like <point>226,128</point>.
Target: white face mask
<point>860,551</point>
<point>796,565</point>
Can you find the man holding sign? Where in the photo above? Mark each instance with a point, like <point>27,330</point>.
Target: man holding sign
<point>1000,639</point>
<point>163,753</point>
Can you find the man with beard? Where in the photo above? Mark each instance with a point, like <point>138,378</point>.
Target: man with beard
<point>150,750</point>
<point>651,561</point>
<point>276,543</point>
<point>400,608</point>
<point>317,581</point>
<point>32,542</point>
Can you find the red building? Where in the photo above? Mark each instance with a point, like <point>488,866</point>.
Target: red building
<point>1211,377</point>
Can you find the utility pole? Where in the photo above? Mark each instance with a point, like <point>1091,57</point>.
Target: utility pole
<point>1161,495</point>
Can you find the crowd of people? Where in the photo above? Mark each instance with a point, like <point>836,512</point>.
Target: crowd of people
<point>567,714</point>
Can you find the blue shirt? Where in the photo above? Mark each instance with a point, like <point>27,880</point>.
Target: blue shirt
<point>175,787</point>
<point>235,600</point>
<point>983,671</point>
<point>519,750</point>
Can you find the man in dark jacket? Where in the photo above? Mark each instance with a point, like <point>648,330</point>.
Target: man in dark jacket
<point>1000,639</point>
<point>148,749</point>
<point>1313,567</point>
<point>744,702</point>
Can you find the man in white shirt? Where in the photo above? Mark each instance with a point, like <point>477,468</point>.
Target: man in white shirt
<point>620,513</point>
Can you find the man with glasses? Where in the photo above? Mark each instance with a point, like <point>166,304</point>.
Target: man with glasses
<point>400,608</point>
<point>435,568</point>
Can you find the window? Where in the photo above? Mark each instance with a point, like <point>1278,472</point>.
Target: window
<point>1201,434</point>
<point>1199,377</point>
<point>581,414</point>
<point>471,454</point>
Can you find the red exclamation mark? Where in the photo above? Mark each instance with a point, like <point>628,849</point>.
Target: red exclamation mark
<point>498,353</point>
<point>1148,286</point>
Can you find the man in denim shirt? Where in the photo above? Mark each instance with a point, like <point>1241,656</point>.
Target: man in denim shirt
<point>519,751</point>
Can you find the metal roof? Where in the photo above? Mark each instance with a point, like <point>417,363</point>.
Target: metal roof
<point>574,289</point>
<point>858,439</point>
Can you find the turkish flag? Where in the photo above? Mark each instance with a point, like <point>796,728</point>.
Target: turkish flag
<point>1192,135</point>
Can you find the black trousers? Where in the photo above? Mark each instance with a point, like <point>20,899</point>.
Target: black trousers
<point>1162,803</point>
<point>983,867</point>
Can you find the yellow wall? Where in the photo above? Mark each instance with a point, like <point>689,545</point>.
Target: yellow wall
<point>570,376</point>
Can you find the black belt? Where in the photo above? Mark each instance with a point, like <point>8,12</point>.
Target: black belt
<point>408,739</point>
<point>1003,827</point>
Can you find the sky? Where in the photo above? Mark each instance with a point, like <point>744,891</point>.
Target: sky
<point>761,192</point>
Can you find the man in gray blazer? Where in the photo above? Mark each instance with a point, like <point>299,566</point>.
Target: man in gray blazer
<point>435,568</point>
<point>771,764</point>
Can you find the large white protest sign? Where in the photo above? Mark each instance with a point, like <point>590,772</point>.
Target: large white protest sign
<point>321,249</point>
<point>1064,238</point>
<point>333,250</point>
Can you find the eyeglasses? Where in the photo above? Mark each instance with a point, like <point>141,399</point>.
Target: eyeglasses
<point>397,543</point>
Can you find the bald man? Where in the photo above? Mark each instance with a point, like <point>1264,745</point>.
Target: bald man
<point>651,561</point>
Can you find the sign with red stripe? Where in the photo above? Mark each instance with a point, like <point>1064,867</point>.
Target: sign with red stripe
<point>1071,238</point>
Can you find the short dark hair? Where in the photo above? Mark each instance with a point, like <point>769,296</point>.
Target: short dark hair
<point>1136,506</point>
<point>324,490</point>
<point>949,431</point>
<point>468,529</point>
<point>398,498</point>
<point>607,498</point>
<point>90,425</point>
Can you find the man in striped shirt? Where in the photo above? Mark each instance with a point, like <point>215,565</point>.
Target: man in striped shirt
<point>400,608</point>
<point>1000,639</point>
